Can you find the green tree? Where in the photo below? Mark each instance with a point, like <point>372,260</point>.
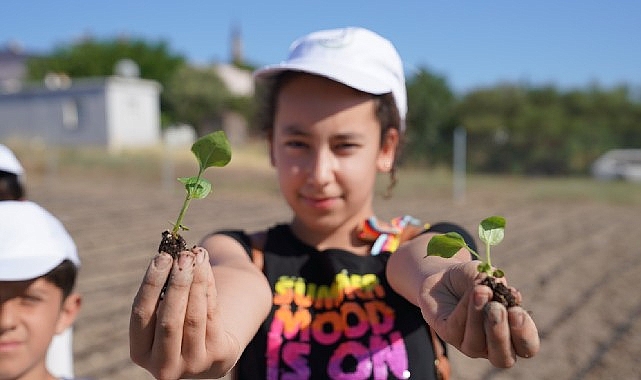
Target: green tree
<point>601,120</point>
<point>488,116</point>
<point>540,130</point>
<point>197,96</point>
<point>430,119</point>
<point>91,58</point>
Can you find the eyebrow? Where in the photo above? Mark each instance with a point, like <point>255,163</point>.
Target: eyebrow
<point>294,130</point>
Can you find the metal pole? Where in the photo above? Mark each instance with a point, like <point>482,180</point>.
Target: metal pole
<point>459,171</point>
<point>168,167</point>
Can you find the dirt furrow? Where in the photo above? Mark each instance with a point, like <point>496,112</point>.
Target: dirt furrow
<point>576,262</point>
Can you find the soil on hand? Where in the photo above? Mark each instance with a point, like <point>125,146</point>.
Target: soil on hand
<point>172,244</point>
<point>501,293</point>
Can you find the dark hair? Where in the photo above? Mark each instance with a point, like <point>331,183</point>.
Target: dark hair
<point>63,276</point>
<point>267,94</point>
<point>11,188</point>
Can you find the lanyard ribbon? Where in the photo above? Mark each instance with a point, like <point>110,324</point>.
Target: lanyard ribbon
<point>386,237</point>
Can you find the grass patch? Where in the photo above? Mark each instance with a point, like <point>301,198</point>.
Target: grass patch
<point>618,192</point>
<point>415,182</point>
<point>565,189</point>
<point>250,171</point>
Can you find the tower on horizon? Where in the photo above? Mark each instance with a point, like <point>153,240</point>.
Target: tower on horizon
<point>236,45</point>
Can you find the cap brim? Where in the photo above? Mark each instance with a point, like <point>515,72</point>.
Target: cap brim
<point>352,78</point>
<point>26,268</point>
<point>35,241</point>
<point>9,162</point>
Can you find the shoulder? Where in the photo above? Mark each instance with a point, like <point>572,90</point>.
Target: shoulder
<point>226,245</point>
<point>229,234</point>
<point>445,227</point>
<point>230,243</point>
<point>258,239</point>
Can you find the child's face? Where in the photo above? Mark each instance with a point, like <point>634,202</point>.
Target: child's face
<point>31,312</point>
<point>327,151</point>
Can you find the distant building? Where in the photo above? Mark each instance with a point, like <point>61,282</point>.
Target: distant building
<point>239,82</point>
<point>12,67</point>
<point>114,112</point>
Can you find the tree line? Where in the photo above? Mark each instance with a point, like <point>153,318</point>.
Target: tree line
<point>523,129</point>
<point>511,127</point>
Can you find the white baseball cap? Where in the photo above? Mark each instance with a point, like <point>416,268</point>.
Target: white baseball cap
<point>8,161</point>
<point>353,56</point>
<point>33,241</point>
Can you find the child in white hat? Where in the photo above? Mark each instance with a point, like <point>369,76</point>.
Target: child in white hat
<point>331,293</point>
<point>12,187</point>
<point>11,175</point>
<point>38,269</point>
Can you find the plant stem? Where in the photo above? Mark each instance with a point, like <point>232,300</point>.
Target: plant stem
<point>183,210</point>
<point>487,254</point>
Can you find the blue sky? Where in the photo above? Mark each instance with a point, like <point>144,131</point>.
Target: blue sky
<point>567,43</point>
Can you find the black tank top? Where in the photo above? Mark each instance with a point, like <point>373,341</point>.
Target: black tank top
<point>334,316</point>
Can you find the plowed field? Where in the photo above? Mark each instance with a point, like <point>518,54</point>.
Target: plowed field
<point>572,248</point>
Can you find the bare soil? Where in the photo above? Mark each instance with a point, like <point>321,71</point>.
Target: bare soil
<point>575,258</point>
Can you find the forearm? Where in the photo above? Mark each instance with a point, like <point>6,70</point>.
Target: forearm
<point>408,267</point>
<point>243,299</point>
<point>239,311</point>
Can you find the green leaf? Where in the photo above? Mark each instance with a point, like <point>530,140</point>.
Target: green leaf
<point>498,273</point>
<point>212,150</point>
<point>492,230</point>
<point>484,268</point>
<point>197,188</point>
<point>445,245</point>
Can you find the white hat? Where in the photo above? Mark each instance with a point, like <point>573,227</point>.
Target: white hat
<point>33,241</point>
<point>355,57</point>
<point>8,161</point>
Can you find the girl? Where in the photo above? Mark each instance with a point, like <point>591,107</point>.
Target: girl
<point>323,297</point>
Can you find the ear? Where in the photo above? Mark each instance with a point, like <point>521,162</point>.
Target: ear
<point>68,312</point>
<point>387,153</point>
<point>270,142</point>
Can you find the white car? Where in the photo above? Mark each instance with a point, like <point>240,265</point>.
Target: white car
<point>618,164</point>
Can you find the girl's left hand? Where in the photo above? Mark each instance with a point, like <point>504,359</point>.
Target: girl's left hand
<point>461,311</point>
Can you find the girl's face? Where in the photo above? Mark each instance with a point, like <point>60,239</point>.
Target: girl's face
<point>327,151</point>
<point>31,312</point>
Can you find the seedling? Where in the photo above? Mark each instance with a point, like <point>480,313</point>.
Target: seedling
<point>491,232</point>
<point>210,150</point>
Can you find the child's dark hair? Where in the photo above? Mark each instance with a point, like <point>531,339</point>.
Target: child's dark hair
<point>267,95</point>
<point>63,276</point>
<point>10,187</point>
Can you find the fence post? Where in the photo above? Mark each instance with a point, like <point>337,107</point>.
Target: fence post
<point>459,165</point>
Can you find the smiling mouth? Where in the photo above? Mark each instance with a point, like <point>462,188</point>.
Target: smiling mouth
<point>8,346</point>
<point>320,203</point>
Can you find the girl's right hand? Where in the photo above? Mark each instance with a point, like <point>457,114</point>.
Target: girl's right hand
<point>182,334</point>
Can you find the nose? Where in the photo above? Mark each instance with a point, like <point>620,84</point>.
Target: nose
<point>322,167</point>
<point>7,316</point>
